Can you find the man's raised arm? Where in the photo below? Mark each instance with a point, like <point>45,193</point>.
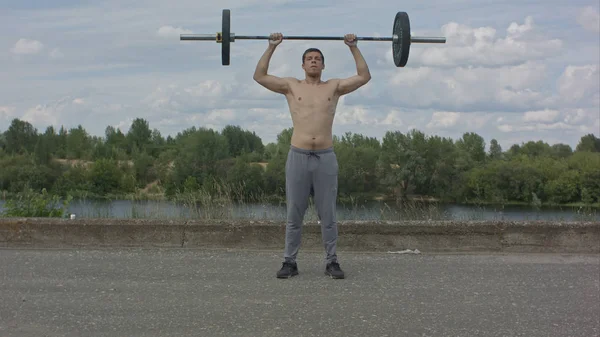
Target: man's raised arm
<point>273,83</point>
<point>348,85</point>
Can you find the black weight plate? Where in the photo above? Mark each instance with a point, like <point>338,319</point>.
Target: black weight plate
<point>401,46</point>
<point>226,32</point>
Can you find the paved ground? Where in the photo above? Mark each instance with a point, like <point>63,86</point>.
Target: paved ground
<point>235,293</point>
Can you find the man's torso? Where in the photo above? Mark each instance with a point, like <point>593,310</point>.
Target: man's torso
<point>313,108</point>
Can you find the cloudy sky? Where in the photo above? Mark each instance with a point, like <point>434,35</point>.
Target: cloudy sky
<point>511,70</point>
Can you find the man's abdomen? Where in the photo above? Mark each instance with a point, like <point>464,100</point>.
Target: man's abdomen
<point>312,133</point>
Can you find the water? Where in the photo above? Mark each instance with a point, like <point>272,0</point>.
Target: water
<point>372,211</point>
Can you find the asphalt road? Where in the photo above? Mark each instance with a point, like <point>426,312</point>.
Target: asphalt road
<point>235,293</point>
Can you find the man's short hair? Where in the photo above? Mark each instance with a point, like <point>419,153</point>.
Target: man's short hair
<point>311,50</point>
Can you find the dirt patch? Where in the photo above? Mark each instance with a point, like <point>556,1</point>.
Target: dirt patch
<point>87,163</point>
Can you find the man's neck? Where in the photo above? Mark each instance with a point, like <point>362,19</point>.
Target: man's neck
<point>312,79</point>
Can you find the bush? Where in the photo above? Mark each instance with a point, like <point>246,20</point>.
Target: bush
<point>33,204</point>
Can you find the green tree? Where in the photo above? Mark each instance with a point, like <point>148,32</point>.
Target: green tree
<point>441,168</point>
<point>242,142</point>
<point>236,140</point>
<point>79,144</point>
<point>105,177</point>
<point>20,138</point>
<point>144,169</point>
<point>74,181</point>
<point>157,144</point>
<point>50,137</point>
<point>274,175</point>
<point>61,143</point>
<point>402,165</point>
<point>2,143</point>
<point>42,152</point>
<point>246,181</point>
<point>472,148</point>
<point>284,138</point>
<point>565,188</point>
<point>139,136</point>
<point>495,150</point>
<point>115,138</point>
<point>587,163</point>
<point>357,157</point>
<point>561,151</point>
<point>200,150</point>
<point>588,143</point>
<point>536,149</point>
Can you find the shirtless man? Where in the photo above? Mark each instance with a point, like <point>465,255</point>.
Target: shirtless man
<point>311,164</point>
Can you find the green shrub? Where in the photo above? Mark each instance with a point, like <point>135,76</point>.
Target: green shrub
<point>33,204</point>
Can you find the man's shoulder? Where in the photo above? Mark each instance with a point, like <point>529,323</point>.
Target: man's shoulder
<point>291,79</point>
<point>333,81</point>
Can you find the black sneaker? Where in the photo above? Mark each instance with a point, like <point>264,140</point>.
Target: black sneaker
<point>334,271</point>
<point>288,270</point>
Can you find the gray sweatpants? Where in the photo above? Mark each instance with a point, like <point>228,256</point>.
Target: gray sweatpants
<point>309,172</point>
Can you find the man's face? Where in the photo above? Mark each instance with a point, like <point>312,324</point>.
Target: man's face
<point>313,63</point>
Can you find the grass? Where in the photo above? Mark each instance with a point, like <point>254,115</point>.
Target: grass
<point>205,206</point>
<point>222,201</point>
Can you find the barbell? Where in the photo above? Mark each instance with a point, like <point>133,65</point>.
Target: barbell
<point>401,38</point>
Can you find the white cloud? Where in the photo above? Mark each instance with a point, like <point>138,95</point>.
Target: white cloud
<point>589,18</point>
<point>172,32</point>
<point>207,88</point>
<point>516,30</point>
<point>580,82</point>
<point>27,47</point>
<point>123,125</point>
<point>201,96</point>
<point>393,118</point>
<point>518,88</point>
<point>470,88</point>
<point>224,116</point>
<point>70,112</point>
<point>443,119</point>
<point>535,127</point>
<point>578,116</point>
<point>52,113</point>
<point>56,54</point>
<point>545,116</point>
<point>7,113</point>
<point>468,46</point>
<point>586,120</point>
<point>41,115</point>
<point>580,120</point>
<point>352,114</point>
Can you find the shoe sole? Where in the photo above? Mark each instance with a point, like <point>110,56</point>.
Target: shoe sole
<point>334,277</point>
<point>289,276</point>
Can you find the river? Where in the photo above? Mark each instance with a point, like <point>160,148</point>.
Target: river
<point>371,211</point>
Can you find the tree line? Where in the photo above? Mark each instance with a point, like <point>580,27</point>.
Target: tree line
<point>400,166</point>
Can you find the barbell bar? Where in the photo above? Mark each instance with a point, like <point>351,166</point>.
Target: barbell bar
<point>401,38</point>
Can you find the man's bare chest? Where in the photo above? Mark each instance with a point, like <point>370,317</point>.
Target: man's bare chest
<point>313,97</point>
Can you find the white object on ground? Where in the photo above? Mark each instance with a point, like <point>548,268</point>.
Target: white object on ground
<point>406,251</point>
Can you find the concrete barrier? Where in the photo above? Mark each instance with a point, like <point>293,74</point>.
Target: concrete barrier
<point>426,236</point>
